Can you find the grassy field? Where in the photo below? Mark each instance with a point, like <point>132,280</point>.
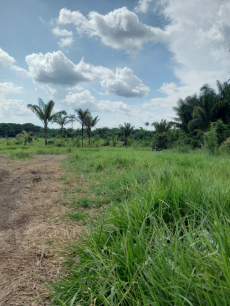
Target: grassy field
<point>162,234</point>
<point>159,233</point>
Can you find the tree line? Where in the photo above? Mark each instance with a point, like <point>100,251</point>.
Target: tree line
<point>195,115</point>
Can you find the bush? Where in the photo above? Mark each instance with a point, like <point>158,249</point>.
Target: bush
<point>211,140</point>
<point>60,143</point>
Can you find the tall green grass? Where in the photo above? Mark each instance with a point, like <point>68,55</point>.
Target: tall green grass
<point>164,235</point>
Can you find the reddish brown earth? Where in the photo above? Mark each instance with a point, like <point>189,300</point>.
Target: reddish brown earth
<point>30,228</point>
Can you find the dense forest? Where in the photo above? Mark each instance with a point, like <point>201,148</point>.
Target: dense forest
<point>195,117</point>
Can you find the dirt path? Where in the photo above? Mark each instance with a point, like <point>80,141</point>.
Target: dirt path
<point>28,228</point>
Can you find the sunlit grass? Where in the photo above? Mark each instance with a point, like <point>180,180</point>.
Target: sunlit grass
<point>163,237</point>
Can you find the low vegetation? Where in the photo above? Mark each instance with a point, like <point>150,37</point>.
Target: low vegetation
<point>163,237</point>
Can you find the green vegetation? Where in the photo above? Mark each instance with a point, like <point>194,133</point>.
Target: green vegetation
<point>161,236</point>
<point>45,113</point>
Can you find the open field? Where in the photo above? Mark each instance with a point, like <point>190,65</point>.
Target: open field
<point>157,226</point>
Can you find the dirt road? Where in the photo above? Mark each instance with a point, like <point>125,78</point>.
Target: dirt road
<point>28,190</point>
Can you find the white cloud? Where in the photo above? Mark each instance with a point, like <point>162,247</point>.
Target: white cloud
<point>64,42</point>
<point>61,32</point>
<point>119,29</point>
<point>56,69</point>
<point>143,6</point>
<point>124,83</point>
<point>80,97</point>
<point>68,36</point>
<point>198,37</point>
<point>113,107</point>
<point>11,107</point>
<point>6,59</point>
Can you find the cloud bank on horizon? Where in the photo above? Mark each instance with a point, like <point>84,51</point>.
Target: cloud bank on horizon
<point>194,35</point>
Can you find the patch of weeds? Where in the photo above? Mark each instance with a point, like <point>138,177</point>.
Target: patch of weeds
<point>123,162</point>
<point>19,155</point>
<point>85,202</point>
<point>77,215</point>
<point>49,241</point>
<point>41,152</point>
<point>99,168</point>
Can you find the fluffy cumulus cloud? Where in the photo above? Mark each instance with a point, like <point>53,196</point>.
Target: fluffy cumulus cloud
<point>67,36</point>
<point>81,97</point>
<point>56,69</point>
<point>124,83</point>
<point>120,29</point>
<point>9,61</point>
<point>12,107</point>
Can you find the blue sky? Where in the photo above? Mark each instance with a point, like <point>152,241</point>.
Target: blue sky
<point>126,61</point>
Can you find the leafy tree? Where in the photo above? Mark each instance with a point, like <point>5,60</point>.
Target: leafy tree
<point>45,113</point>
<point>126,130</point>
<point>90,122</point>
<point>62,119</point>
<point>81,117</point>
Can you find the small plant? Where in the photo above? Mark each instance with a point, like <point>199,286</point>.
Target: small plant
<point>211,140</point>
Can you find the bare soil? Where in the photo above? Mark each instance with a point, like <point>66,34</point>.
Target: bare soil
<point>30,228</point>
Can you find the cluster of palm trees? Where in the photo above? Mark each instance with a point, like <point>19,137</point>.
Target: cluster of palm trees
<point>45,112</point>
<point>196,112</point>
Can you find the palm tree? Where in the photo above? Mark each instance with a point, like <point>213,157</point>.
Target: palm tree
<point>90,122</point>
<point>162,126</point>
<point>44,113</point>
<point>204,112</point>
<point>126,129</point>
<point>146,124</point>
<point>63,119</point>
<point>81,117</point>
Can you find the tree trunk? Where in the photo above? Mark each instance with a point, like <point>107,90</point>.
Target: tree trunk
<point>62,131</point>
<point>82,132</point>
<point>45,129</point>
<point>89,138</point>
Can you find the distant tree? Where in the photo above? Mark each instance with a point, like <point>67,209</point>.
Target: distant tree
<point>90,122</point>
<point>147,124</point>
<point>81,117</point>
<point>45,113</point>
<point>24,136</point>
<point>62,119</point>
<point>126,130</point>
<point>162,126</point>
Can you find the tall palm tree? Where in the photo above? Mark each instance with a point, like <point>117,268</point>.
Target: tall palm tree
<point>45,113</point>
<point>162,126</point>
<point>81,117</point>
<point>126,129</point>
<point>62,120</point>
<point>90,122</point>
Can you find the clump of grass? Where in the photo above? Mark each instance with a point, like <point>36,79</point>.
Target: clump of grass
<point>77,215</point>
<point>19,155</point>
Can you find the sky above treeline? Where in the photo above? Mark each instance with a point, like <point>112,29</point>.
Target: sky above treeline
<point>124,60</point>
